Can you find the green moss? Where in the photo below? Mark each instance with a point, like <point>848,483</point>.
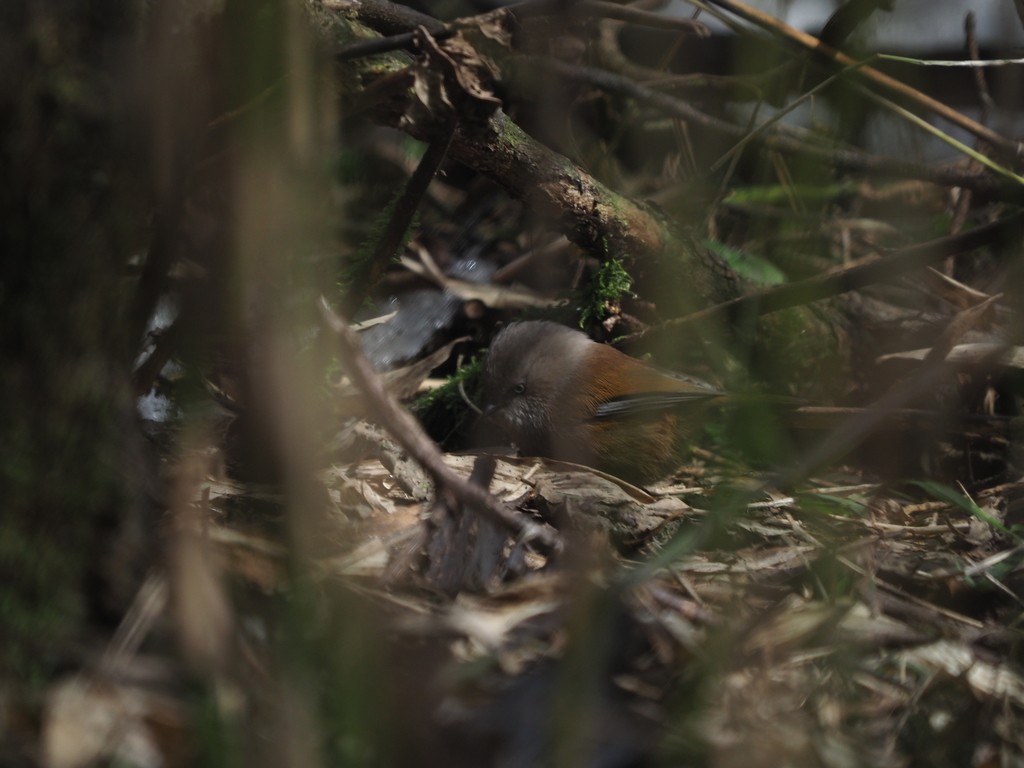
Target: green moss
<point>443,411</point>
<point>604,291</point>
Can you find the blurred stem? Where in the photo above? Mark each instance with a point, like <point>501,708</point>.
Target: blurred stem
<point>404,210</point>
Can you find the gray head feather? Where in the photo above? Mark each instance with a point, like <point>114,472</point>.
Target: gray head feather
<point>528,367</point>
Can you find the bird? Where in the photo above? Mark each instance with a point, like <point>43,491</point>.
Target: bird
<point>553,392</point>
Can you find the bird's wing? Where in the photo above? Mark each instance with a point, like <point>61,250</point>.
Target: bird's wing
<point>641,403</point>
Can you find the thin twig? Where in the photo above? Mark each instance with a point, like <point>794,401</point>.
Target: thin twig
<point>853,431</point>
<point>410,435</point>
<point>402,41</point>
<point>407,203</point>
<point>987,104</point>
<point>607,10</point>
<point>840,159</point>
<point>587,8</point>
<point>391,18</point>
<point>924,125</point>
<point>491,295</point>
<point>846,279</point>
<point>820,49</point>
<point>777,116</point>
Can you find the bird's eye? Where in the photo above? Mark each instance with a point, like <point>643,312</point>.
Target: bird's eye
<point>519,388</point>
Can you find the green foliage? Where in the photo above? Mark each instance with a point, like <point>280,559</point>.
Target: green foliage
<point>828,504</point>
<point>333,650</point>
<point>443,411</point>
<point>777,194</point>
<point>747,265</point>
<point>751,433</point>
<point>40,604</point>
<point>966,503</point>
<point>218,736</point>
<point>604,291</point>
